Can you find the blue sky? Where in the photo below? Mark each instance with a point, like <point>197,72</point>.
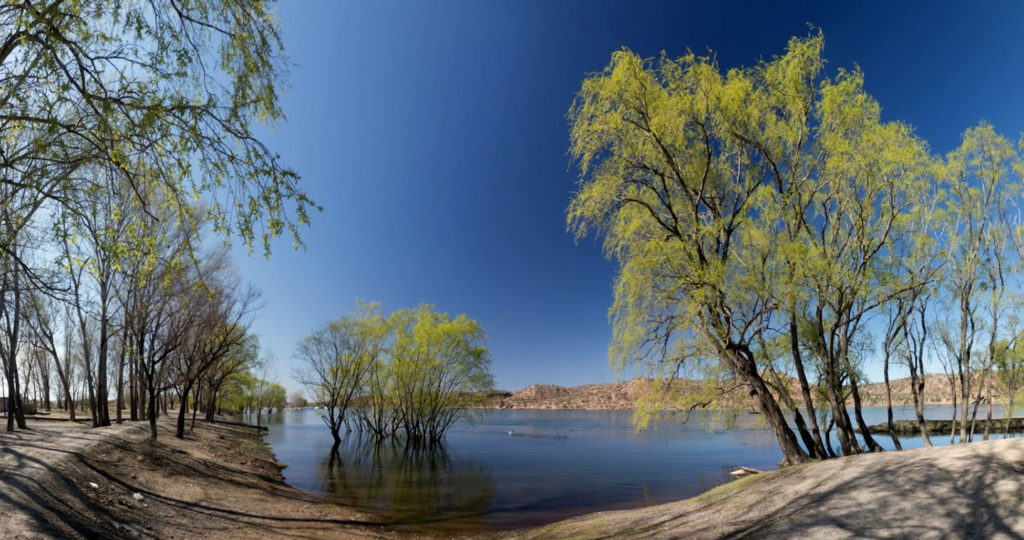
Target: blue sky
<point>434,136</point>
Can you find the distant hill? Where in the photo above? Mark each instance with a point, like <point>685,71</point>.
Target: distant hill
<point>623,395</point>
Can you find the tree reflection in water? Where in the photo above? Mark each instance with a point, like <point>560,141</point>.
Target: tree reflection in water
<point>409,484</point>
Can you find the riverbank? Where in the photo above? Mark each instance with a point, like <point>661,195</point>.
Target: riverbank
<point>222,482</point>
<point>962,491</point>
<point>62,480</point>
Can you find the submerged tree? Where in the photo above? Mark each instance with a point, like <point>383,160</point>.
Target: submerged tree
<point>413,374</point>
<point>338,359</point>
<point>439,367</point>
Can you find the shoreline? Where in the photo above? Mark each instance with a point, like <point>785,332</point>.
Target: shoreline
<point>681,410</point>
<point>960,491</point>
<point>223,481</point>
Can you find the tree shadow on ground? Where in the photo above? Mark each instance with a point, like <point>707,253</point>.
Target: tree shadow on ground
<point>972,492</point>
<point>45,480</point>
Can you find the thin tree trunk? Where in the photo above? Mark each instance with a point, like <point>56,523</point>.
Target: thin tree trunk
<point>917,387</point>
<point>182,412</point>
<point>952,429</point>
<point>888,399</point>
<point>103,402</point>
<point>153,405</point>
<point>964,364</point>
<point>125,346</point>
<point>818,447</point>
<point>988,398</point>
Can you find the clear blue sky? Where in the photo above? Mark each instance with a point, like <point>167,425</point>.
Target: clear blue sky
<point>434,136</point>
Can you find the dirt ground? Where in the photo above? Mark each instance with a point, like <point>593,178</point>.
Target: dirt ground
<point>218,483</point>
<point>221,482</point>
<point>971,491</point>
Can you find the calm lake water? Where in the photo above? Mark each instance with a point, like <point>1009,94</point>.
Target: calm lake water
<point>519,468</point>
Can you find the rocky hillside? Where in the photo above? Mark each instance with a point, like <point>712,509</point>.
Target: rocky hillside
<point>619,395</point>
<point>623,395</point>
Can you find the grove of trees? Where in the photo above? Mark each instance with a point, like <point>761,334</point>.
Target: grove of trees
<point>411,374</point>
<point>773,231</point>
<point>128,134</point>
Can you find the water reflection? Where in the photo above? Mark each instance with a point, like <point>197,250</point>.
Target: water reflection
<point>410,484</point>
<point>519,468</point>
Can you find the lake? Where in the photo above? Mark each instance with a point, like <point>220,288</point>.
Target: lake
<point>518,468</point>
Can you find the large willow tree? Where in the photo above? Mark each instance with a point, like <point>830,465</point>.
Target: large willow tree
<point>167,92</point>
<point>746,208</point>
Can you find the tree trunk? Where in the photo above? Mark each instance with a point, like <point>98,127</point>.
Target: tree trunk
<point>952,428</point>
<point>211,410</point>
<point>917,390</point>
<point>125,346</point>
<point>743,359</point>
<point>840,418</point>
<point>988,398</point>
<point>182,412</point>
<point>153,404</point>
<point>974,417</point>
<point>888,398</point>
<point>964,364</point>
<point>818,447</point>
<point>102,401</point>
<point>195,409</point>
<point>1009,411</point>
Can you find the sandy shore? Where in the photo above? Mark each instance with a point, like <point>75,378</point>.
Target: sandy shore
<point>969,491</point>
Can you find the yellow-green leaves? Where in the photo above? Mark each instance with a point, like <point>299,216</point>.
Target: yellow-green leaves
<point>416,370</point>
<point>736,201</point>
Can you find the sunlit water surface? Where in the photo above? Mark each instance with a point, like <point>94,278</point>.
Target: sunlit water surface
<point>519,468</point>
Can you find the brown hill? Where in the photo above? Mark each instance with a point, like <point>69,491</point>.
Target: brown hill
<point>623,395</point>
<point>617,396</point>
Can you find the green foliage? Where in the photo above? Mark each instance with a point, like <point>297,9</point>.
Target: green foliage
<point>274,396</point>
<point>167,95</point>
<point>438,367</point>
<point>238,393</point>
<point>739,202</point>
<point>725,196</point>
<point>415,371</point>
<point>245,392</point>
<point>339,358</point>
<point>1009,369</point>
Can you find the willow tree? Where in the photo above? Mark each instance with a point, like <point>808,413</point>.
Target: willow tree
<point>870,181</point>
<point>439,367</point>
<point>338,358</point>
<point>164,91</point>
<point>980,178</point>
<point>914,258</point>
<point>672,187</point>
<point>737,201</point>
